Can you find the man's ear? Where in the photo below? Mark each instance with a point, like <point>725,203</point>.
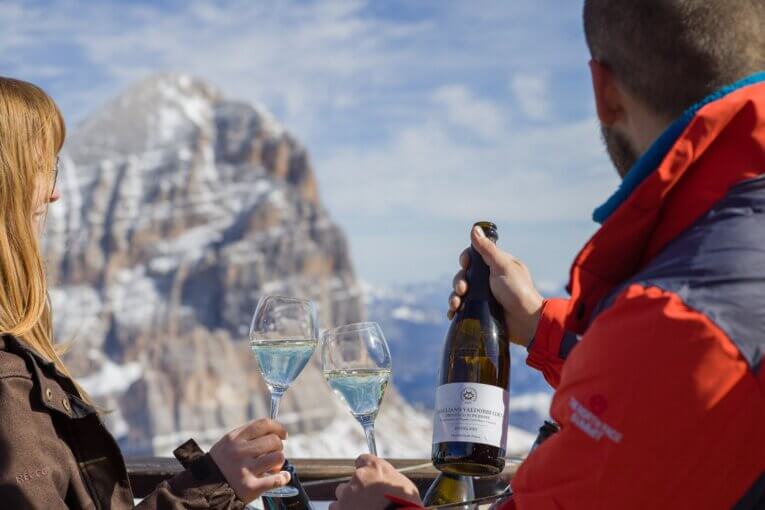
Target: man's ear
<point>608,99</point>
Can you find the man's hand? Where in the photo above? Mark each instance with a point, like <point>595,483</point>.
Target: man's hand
<point>511,285</point>
<point>374,478</point>
<point>245,454</point>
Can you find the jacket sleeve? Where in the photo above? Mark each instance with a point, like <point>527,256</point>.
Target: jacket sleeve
<point>551,343</point>
<point>200,486</point>
<point>35,466</point>
<point>654,406</point>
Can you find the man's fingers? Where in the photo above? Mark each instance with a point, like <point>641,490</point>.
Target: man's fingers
<point>465,258</point>
<point>365,459</point>
<point>454,302</point>
<point>485,247</point>
<point>459,283</point>
<point>259,428</point>
<point>339,490</point>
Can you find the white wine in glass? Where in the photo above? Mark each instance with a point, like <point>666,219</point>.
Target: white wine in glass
<point>356,363</point>
<point>283,336</point>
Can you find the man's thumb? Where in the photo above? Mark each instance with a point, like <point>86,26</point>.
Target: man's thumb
<point>484,246</point>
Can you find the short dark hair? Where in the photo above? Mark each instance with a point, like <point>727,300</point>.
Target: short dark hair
<point>673,53</point>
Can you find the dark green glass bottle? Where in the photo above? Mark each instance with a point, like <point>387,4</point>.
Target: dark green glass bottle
<point>470,421</point>
<point>447,489</point>
<point>547,430</point>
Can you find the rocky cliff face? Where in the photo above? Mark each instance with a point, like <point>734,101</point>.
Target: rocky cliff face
<point>180,209</point>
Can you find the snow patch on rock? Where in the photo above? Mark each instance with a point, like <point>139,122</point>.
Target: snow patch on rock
<point>111,378</point>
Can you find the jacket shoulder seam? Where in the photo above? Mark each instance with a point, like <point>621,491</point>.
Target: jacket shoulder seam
<point>17,375</point>
<point>646,285</point>
<point>18,366</point>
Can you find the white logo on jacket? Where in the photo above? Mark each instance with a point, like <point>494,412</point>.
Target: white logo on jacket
<point>590,424</point>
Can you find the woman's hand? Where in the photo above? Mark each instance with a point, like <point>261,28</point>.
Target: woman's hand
<point>245,454</point>
<point>373,480</point>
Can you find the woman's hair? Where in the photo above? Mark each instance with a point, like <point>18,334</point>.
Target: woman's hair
<point>32,132</point>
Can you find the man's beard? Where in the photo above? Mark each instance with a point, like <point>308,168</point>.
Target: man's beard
<point>619,149</point>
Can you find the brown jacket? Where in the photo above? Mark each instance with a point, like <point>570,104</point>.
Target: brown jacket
<point>55,453</point>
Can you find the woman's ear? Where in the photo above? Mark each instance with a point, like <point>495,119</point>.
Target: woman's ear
<point>608,98</point>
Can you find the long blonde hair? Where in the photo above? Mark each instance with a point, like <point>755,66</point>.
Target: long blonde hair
<point>32,132</point>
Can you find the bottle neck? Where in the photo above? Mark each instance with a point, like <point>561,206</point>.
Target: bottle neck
<point>478,278</point>
<point>548,429</point>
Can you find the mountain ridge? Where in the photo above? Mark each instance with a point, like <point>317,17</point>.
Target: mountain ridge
<point>179,209</point>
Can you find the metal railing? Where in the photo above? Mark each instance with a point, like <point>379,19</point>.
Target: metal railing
<point>319,476</point>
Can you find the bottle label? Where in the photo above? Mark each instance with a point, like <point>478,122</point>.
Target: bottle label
<point>471,413</point>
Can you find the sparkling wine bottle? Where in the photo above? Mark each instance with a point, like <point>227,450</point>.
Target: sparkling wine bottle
<point>547,429</point>
<point>447,489</point>
<point>471,414</point>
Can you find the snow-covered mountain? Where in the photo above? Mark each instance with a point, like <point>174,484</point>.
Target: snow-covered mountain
<point>180,209</point>
<point>415,324</point>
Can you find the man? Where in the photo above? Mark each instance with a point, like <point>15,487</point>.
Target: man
<point>658,356</point>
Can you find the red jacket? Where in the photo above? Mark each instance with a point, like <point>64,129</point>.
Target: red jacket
<point>657,357</point>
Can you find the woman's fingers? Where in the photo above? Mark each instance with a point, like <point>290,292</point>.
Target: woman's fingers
<point>251,458</point>
<point>262,445</point>
<point>266,483</point>
<point>259,428</point>
<point>268,463</point>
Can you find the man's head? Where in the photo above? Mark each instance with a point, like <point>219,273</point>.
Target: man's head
<point>652,59</point>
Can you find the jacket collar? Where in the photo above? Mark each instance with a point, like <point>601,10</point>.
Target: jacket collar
<point>653,157</point>
<point>14,344</point>
<point>722,144</point>
<point>55,390</point>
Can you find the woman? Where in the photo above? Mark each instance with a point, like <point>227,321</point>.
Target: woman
<point>54,451</point>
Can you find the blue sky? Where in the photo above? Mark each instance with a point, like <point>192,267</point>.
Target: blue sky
<point>420,116</point>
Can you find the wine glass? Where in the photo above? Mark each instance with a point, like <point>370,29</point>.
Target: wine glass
<point>283,336</point>
<point>356,363</point>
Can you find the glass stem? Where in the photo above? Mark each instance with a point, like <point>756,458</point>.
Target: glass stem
<point>276,397</point>
<point>369,431</point>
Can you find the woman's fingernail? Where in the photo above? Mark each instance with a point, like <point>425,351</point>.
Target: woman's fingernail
<point>286,475</point>
<point>479,232</point>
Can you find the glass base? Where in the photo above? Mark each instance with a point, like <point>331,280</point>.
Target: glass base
<point>281,492</point>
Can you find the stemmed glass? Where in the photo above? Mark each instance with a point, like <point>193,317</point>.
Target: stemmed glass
<point>283,336</point>
<point>356,363</point>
